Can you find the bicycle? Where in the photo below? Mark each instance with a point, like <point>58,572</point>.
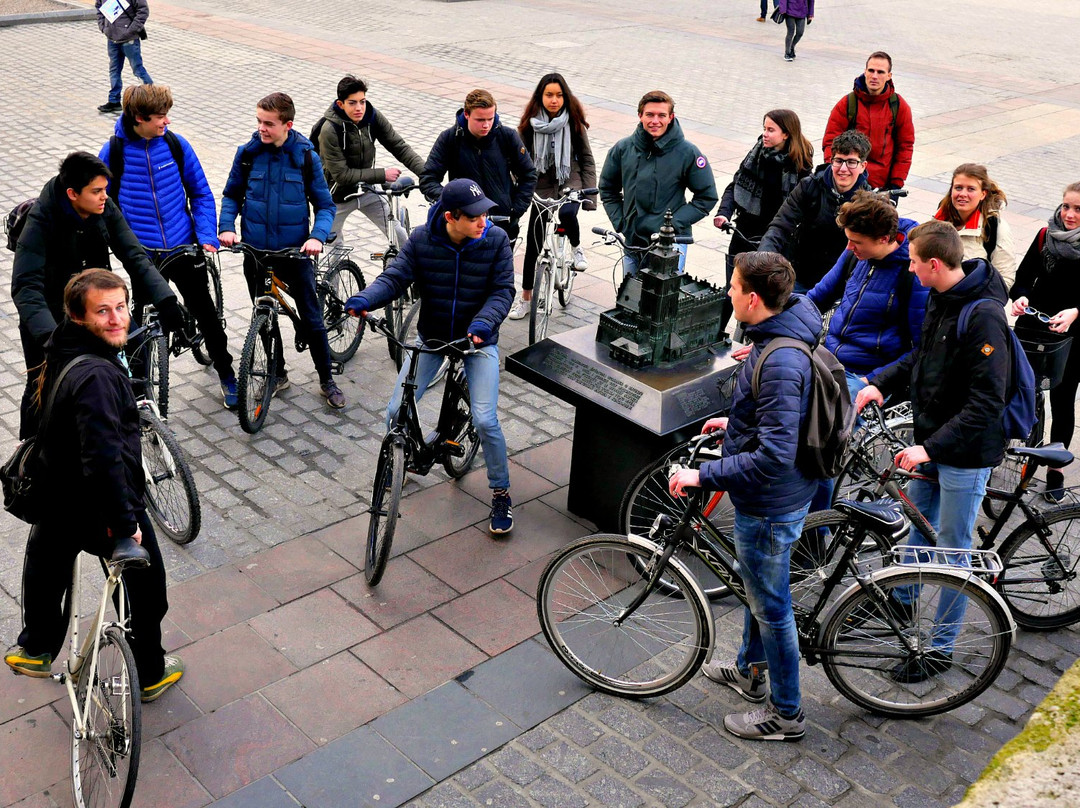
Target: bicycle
<point>405,447</point>
<point>608,621</point>
<point>555,271</point>
<point>610,237</point>
<point>162,259</point>
<point>337,278</point>
<point>1039,557</point>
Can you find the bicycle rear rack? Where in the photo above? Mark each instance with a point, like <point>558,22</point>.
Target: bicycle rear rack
<point>984,563</point>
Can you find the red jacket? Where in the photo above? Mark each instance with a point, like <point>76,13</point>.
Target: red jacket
<point>890,145</point>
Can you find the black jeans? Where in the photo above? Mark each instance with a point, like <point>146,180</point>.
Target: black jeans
<point>534,238</point>
<point>299,275</point>
<point>50,554</point>
<point>738,245</point>
<point>795,28</point>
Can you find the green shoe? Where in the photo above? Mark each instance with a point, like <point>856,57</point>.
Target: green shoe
<point>174,670</point>
<point>39,667</point>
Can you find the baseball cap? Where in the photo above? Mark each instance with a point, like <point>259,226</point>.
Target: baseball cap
<point>467,196</point>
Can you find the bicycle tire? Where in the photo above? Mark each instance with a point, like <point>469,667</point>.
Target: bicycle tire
<point>540,305</point>
<point>856,474</point>
<point>654,650</point>
<point>464,431</point>
<point>343,331</point>
<point>171,496</point>
<point>862,650</point>
<point>385,502</point>
<point>156,356</point>
<point>394,313</point>
<point>1040,581</point>
<point>408,335</point>
<point>814,557</point>
<point>647,496</point>
<point>565,265</point>
<point>105,759</point>
<point>213,272</point>
<point>258,374</point>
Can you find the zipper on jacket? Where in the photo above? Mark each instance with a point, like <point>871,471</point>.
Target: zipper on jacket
<point>153,195</point>
<point>858,300</point>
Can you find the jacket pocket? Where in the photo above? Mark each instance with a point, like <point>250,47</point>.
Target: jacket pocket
<point>292,187</point>
<point>256,185</point>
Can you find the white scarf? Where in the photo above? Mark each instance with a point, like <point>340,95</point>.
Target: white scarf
<point>551,143</point>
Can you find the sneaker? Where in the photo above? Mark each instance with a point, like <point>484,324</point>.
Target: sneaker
<point>520,309</point>
<point>581,263</point>
<point>789,57</point>
<point>228,393</point>
<point>502,513</point>
<point>752,687</point>
<point>281,383</point>
<point>174,671</point>
<point>334,397</point>
<point>766,724</point>
<point>920,668</point>
<point>110,106</point>
<point>1055,487</point>
<point>21,661</point>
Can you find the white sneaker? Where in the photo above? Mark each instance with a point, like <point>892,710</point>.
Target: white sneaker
<point>580,262</point>
<point>520,309</point>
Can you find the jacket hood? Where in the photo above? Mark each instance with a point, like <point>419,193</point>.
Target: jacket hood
<point>980,280</point>
<point>799,320</point>
<point>864,93</point>
<point>665,143</point>
<point>70,340</point>
<point>53,196</point>
<point>295,145</point>
<point>463,128</point>
<point>900,255</point>
<point>436,223</point>
<point>337,115</point>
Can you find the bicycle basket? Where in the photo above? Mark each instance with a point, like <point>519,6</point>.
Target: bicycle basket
<point>1046,351</point>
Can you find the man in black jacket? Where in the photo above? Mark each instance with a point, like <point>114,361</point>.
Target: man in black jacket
<point>93,457</point>
<point>73,226</point>
<point>478,147</point>
<point>959,385</point>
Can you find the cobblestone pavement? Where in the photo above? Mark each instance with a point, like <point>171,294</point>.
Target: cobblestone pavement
<point>1000,97</point>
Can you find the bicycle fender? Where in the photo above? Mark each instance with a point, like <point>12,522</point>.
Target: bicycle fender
<point>650,546</point>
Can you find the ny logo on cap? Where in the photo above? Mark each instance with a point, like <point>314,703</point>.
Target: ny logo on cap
<point>475,190</point>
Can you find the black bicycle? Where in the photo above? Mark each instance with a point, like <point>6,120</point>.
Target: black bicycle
<point>454,443</point>
<point>163,258</point>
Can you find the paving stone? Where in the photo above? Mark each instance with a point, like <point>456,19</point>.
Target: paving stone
<point>609,791</point>
<point>664,788</point>
<point>568,762</point>
<point>772,784</point>
<point>501,794</point>
<point>514,766</point>
<point>619,756</point>
<point>552,793</point>
<point>263,793</point>
<point>858,768</point>
<point>869,741</point>
<point>626,722</point>
<point>537,738</point>
<point>717,785</point>
<point>911,797</point>
<point>818,778</point>
<point>576,727</point>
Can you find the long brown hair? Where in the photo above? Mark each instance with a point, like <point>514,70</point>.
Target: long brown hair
<point>578,124</point>
<point>800,150</point>
<point>995,197</point>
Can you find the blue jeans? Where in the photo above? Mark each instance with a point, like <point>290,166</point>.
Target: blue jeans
<point>482,371</point>
<point>631,261</point>
<point>951,506</point>
<point>823,498</point>
<point>763,547</point>
<point>118,51</point>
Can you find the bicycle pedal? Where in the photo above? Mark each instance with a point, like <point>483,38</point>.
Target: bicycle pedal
<point>454,448</point>
<point>337,368</point>
<point>377,256</point>
<point>301,346</point>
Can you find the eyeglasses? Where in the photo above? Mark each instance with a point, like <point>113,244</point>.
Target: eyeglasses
<point>1042,318</point>
<point>840,162</point>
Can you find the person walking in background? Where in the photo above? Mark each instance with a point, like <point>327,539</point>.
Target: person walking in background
<point>770,171</point>
<point>973,206</point>
<point>765,9</point>
<point>797,15</point>
<point>124,24</point>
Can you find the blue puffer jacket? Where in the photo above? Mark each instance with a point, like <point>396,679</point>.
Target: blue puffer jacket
<point>758,467</point>
<point>273,203</point>
<point>153,197</point>
<point>465,289</point>
<point>868,333</point>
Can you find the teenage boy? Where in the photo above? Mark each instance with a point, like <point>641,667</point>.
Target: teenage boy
<point>959,384</point>
<point>463,269</point>
<point>770,493</point>
<point>274,177</point>
<point>647,174</point>
<point>169,204</point>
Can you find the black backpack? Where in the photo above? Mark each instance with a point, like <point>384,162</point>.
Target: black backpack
<point>314,136</point>
<point>16,221</point>
<point>853,108</point>
<point>116,162</point>
<point>829,422</point>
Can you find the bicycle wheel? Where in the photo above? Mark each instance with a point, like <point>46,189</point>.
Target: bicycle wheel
<point>653,651</point>
<point>647,497</point>
<point>171,497</point>
<point>874,454</point>
<point>871,663</point>
<point>408,335</point>
<point>156,356</point>
<point>105,758</point>
<point>540,305</point>
<point>343,331</point>
<point>213,271</point>
<point>258,374</point>
<point>1040,581</point>
<point>463,432</point>
<point>564,267</point>
<point>814,557</point>
<point>385,501</point>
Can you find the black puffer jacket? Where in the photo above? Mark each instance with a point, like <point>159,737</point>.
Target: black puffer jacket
<point>92,449</point>
<point>959,386</point>
<point>805,228</point>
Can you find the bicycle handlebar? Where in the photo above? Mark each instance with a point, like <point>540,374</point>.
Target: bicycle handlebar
<point>379,325</point>
<point>567,195</point>
<point>611,237</point>
<point>402,186</point>
<point>284,252</point>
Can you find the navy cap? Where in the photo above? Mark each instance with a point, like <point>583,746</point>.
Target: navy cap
<point>467,196</point>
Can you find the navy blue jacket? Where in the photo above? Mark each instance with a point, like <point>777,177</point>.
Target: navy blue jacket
<point>273,203</point>
<point>758,467</point>
<point>868,333</point>
<point>464,289</point>
<point>154,197</point>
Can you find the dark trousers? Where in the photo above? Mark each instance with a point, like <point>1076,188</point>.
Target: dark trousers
<point>738,245</point>
<point>534,238</point>
<point>299,275</point>
<point>795,28</point>
<point>50,554</point>
<point>1063,398</point>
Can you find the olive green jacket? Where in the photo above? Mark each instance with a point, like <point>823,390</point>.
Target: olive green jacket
<point>347,150</point>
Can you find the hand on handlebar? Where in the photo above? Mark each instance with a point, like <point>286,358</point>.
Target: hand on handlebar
<point>392,174</point>
<point>866,395</point>
<point>719,221</point>
<point>312,247</point>
<point>683,479</point>
<point>228,238</point>
<point>715,425</point>
<point>910,457</point>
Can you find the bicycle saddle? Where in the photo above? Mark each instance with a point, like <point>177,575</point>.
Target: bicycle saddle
<point>330,239</point>
<point>884,514</point>
<point>401,183</point>
<point>1053,454</point>
<point>129,553</point>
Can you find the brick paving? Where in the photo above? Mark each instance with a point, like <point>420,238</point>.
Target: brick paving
<point>305,686</point>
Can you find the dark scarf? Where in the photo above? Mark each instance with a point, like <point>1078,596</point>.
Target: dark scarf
<point>1060,244</point>
<point>750,178</point>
